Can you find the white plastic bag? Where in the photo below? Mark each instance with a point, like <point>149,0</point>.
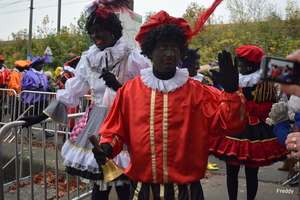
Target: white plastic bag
<point>109,96</point>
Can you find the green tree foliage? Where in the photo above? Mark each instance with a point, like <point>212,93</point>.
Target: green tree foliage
<point>147,16</point>
<point>73,39</point>
<point>263,27</point>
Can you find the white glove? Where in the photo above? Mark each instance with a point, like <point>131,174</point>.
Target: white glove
<point>279,112</point>
<point>269,121</point>
<point>291,116</point>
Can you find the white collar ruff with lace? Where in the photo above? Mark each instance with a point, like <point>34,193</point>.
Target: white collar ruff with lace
<point>165,86</point>
<point>114,54</point>
<point>249,80</point>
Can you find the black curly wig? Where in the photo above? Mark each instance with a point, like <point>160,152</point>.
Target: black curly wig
<point>191,55</point>
<point>112,23</point>
<point>165,33</point>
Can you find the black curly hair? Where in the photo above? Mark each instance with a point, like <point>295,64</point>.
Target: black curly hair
<point>112,23</point>
<point>253,65</point>
<point>165,33</point>
<point>190,55</point>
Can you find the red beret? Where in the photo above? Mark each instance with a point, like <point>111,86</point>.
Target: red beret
<point>1,58</point>
<point>162,17</point>
<point>158,20</point>
<point>250,52</point>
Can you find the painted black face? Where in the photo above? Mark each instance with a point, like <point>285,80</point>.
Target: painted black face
<point>38,67</point>
<point>165,56</point>
<point>194,67</point>
<point>1,64</point>
<point>101,37</point>
<point>242,67</point>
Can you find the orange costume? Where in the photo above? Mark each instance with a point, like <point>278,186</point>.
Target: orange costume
<point>163,128</point>
<point>16,76</point>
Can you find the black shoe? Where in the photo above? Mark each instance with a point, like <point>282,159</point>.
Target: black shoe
<point>63,139</point>
<point>49,135</point>
<point>32,137</point>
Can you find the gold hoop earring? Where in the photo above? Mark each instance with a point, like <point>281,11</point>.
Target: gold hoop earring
<point>113,36</point>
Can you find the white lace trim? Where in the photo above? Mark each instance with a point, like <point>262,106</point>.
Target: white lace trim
<point>249,80</point>
<point>37,72</point>
<point>164,86</point>
<point>114,54</point>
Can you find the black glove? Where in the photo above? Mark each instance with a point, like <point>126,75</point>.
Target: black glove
<point>110,80</point>
<point>31,120</point>
<point>247,91</point>
<point>101,156</point>
<point>228,76</point>
<point>3,85</point>
<point>49,89</point>
<point>41,86</point>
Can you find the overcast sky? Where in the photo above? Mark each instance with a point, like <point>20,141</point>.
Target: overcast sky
<point>14,14</point>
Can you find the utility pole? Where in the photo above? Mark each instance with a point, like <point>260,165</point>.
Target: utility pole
<point>30,28</point>
<point>58,16</point>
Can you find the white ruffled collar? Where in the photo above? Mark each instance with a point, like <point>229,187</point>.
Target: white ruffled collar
<point>114,54</point>
<point>164,86</point>
<point>22,73</point>
<point>37,72</point>
<point>2,69</point>
<point>249,80</point>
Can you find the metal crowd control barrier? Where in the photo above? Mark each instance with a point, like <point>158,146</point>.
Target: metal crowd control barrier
<point>24,154</point>
<point>12,105</point>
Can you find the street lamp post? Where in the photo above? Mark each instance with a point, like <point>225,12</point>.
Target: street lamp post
<point>30,28</point>
<point>58,16</point>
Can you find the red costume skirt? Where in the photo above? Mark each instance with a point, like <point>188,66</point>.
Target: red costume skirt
<point>256,146</point>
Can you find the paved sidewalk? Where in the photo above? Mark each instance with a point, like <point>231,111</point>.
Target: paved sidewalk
<point>269,186</point>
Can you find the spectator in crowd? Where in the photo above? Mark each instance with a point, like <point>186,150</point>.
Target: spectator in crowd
<point>208,78</point>
<point>292,89</point>
<point>14,83</point>
<point>51,81</point>
<point>58,71</point>
<point>293,139</point>
<point>104,68</point>
<point>165,117</point>
<point>4,74</point>
<point>256,145</point>
<point>35,80</point>
<point>285,116</point>
<point>4,78</point>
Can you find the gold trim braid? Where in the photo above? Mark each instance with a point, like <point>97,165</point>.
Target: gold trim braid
<point>165,138</point>
<point>137,191</point>
<point>152,107</point>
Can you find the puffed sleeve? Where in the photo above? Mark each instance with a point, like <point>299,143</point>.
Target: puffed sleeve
<point>75,87</point>
<point>136,62</point>
<point>227,110</point>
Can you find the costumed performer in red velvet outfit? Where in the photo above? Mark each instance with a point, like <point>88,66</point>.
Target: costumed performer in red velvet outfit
<point>166,121</point>
<point>256,145</point>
